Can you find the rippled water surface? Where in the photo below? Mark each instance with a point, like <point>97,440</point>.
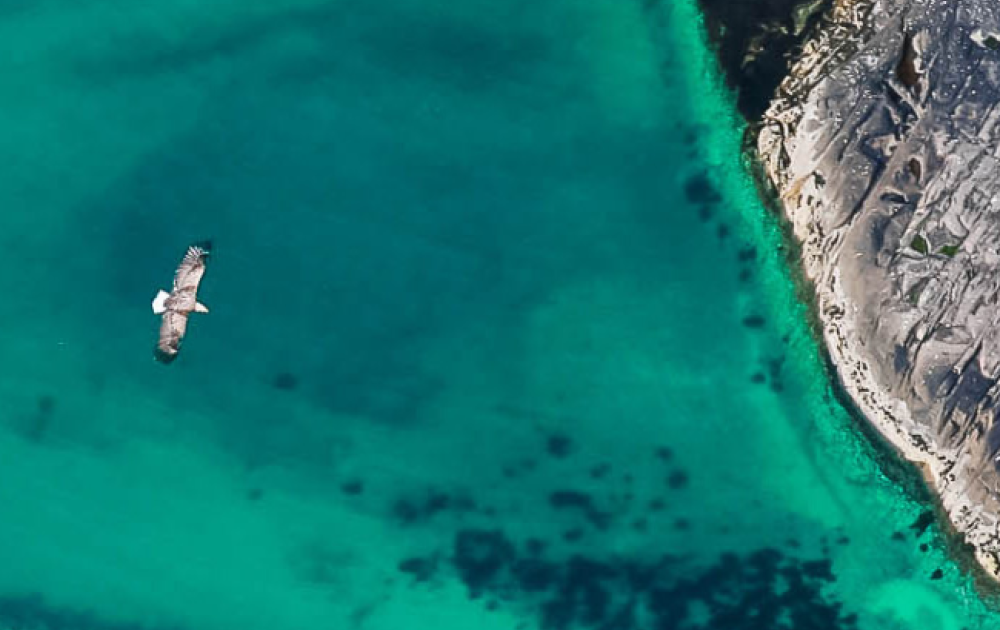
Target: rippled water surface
<point>500,336</point>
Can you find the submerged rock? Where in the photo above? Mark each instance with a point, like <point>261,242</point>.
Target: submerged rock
<point>882,145</point>
<point>753,41</point>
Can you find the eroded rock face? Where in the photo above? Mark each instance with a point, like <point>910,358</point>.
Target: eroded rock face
<point>884,145</point>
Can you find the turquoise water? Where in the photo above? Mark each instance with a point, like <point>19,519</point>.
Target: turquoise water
<point>500,335</point>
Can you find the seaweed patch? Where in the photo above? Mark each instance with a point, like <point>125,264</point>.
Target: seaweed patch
<point>677,479</point>
<point>699,189</point>
<point>559,445</point>
<point>760,590</point>
<point>285,381</point>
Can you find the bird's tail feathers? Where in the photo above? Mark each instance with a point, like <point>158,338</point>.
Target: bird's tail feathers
<point>160,302</point>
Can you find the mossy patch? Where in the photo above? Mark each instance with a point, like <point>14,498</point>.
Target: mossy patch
<point>919,244</point>
<point>949,250</point>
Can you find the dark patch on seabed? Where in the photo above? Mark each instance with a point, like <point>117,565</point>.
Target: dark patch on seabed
<point>32,612</point>
<point>755,41</point>
<point>762,589</point>
<point>565,583</point>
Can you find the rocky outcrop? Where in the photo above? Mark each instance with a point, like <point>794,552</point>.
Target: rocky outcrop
<point>884,146</point>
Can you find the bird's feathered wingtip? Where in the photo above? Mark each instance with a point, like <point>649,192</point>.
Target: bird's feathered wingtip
<point>204,245</point>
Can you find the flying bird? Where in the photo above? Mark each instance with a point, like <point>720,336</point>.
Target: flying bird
<point>176,306</point>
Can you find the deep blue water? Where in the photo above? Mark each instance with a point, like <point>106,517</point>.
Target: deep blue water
<point>500,335</point>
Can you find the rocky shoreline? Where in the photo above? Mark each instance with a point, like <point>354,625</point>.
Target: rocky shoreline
<point>755,41</point>
<point>881,144</point>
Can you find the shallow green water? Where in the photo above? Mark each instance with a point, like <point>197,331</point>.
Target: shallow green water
<point>500,334</point>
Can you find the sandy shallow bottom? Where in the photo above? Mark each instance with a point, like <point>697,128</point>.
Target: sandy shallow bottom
<point>499,335</point>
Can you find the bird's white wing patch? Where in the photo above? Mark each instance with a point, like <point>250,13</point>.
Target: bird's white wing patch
<point>160,302</point>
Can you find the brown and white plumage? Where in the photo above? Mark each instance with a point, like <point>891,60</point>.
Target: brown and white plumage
<point>177,305</point>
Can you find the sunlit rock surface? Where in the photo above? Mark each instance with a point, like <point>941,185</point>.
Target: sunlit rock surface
<point>882,144</point>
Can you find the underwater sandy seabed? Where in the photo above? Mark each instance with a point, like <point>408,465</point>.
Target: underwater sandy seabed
<point>500,335</point>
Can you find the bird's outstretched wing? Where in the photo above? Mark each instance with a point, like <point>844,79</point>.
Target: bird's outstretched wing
<point>188,276</point>
<point>192,267</point>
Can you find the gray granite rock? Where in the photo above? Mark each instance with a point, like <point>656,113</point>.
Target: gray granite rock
<point>884,146</point>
